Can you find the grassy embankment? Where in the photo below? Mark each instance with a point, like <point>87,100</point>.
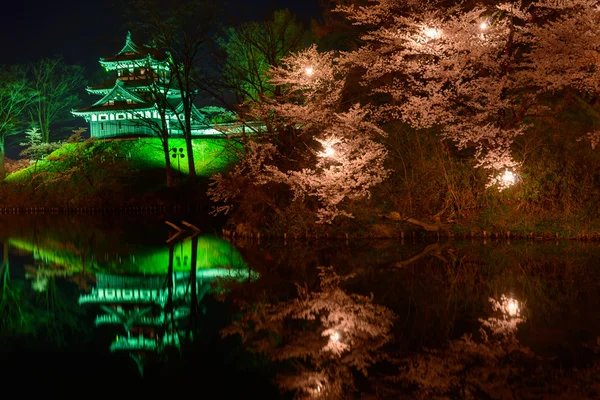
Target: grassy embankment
<point>114,174</point>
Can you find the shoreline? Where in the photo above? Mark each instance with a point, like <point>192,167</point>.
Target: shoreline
<point>453,232</point>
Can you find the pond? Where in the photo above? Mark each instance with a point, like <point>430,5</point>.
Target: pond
<point>109,300</point>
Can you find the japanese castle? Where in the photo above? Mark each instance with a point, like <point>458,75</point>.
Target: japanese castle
<point>127,107</point>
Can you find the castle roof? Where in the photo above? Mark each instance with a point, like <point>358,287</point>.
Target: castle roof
<point>103,109</point>
<point>119,98</point>
<point>134,53</point>
<point>131,85</point>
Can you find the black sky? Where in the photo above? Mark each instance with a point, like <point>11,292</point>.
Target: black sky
<point>84,30</point>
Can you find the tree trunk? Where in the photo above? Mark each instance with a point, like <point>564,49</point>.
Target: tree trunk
<point>168,168</point>
<point>42,123</point>
<point>169,310</point>
<point>45,129</point>
<point>193,328</point>
<point>424,225</point>
<point>188,142</point>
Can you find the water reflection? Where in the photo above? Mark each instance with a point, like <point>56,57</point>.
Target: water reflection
<point>158,312</point>
<point>10,299</point>
<point>322,337</point>
<point>385,320</point>
<point>490,364</point>
<point>471,320</point>
<point>45,312</point>
<point>147,296</point>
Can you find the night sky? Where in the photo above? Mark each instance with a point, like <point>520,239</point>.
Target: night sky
<point>84,30</point>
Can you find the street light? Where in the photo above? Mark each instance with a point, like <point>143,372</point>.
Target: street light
<point>509,306</point>
<point>309,71</point>
<point>512,307</point>
<point>328,150</point>
<point>483,26</point>
<point>432,33</point>
<point>509,178</point>
<point>334,337</point>
<point>178,154</point>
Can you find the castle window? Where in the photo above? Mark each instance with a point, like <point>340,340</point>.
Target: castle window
<point>102,117</point>
<point>120,116</point>
<point>102,125</point>
<point>120,125</point>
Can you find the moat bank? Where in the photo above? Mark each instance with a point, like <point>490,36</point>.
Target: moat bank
<point>128,176</point>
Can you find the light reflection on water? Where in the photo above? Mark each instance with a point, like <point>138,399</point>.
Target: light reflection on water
<point>398,319</point>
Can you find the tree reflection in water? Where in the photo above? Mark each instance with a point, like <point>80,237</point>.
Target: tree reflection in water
<point>489,361</point>
<point>321,338</point>
<point>44,312</point>
<point>10,297</point>
<point>491,366</point>
<point>494,365</point>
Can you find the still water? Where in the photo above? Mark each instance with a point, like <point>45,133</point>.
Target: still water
<point>133,303</point>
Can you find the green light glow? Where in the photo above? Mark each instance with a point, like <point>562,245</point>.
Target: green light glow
<point>214,257</point>
<point>213,253</point>
<point>211,156</point>
<point>48,254</point>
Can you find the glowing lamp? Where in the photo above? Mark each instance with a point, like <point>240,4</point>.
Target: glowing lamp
<point>432,33</point>
<point>483,26</point>
<point>509,178</point>
<point>309,71</point>
<point>335,337</point>
<point>512,308</point>
<point>329,151</point>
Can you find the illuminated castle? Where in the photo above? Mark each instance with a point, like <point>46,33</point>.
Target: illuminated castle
<point>127,106</point>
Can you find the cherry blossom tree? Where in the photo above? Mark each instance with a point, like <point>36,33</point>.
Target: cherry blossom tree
<point>312,145</point>
<point>565,53</point>
<point>479,75</point>
<point>476,73</point>
<point>452,69</point>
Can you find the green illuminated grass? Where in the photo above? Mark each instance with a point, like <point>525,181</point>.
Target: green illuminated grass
<point>210,156</point>
<point>116,173</point>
